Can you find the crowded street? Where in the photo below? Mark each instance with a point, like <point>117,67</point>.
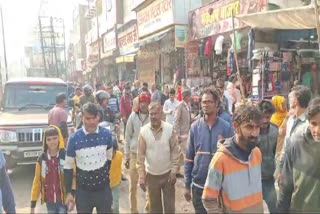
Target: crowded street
<point>159,106</point>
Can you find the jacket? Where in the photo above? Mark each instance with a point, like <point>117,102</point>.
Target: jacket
<point>268,145</point>
<point>6,194</point>
<point>202,145</point>
<point>133,127</point>
<point>235,183</point>
<point>38,188</point>
<point>182,119</point>
<point>299,188</point>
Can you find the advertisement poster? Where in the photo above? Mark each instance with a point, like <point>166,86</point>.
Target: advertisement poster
<point>216,18</point>
<point>154,17</point>
<point>109,41</point>
<point>181,36</point>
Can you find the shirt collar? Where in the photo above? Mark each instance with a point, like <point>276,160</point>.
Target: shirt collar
<point>158,130</point>
<point>302,117</point>
<point>86,133</point>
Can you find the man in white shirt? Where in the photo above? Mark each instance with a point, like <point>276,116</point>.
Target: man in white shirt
<point>170,106</point>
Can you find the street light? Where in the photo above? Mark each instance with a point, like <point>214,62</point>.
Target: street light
<point>4,46</point>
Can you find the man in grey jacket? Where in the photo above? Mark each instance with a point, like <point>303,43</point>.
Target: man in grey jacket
<point>267,145</point>
<point>135,122</point>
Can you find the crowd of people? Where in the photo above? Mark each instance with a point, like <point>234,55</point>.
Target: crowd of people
<point>234,155</point>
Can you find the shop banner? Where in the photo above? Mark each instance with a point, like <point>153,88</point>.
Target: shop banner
<point>154,17</point>
<point>127,40</point>
<point>181,36</point>
<point>109,41</point>
<point>216,18</point>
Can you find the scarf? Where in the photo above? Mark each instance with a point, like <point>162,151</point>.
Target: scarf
<point>280,113</point>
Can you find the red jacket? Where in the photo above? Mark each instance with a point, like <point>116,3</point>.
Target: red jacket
<point>125,106</point>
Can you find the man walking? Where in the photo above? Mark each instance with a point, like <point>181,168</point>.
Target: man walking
<point>158,156</point>
<point>202,145</point>
<point>267,144</point>
<point>234,178</point>
<point>170,106</point>
<point>299,189</point>
<point>58,114</point>
<point>90,149</point>
<point>136,120</point>
<point>126,105</point>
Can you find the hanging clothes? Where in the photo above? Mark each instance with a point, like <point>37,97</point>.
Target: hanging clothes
<point>208,47</point>
<point>251,44</point>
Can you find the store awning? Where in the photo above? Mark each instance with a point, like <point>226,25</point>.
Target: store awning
<point>124,59</point>
<point>154,38</point>
<point>284,19</point>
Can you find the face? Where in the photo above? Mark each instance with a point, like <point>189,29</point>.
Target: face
<point>187,99</point>
<point>171,97</point>
<point>265,120</point>
<point>292,100</point>
<point>127,91</point>
<point>78,92</point>
<point>248,134</point>
<point>143,107</point>
<point>52,142</point>
<point>209,105</point>
<point>314,125</point>
<point>110,90</point>
<point>155,115</point>
<point>105,102</point>
<point>153,87</point>
<point>90,121</point>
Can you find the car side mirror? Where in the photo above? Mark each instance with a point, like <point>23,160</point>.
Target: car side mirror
<point>71,103</point>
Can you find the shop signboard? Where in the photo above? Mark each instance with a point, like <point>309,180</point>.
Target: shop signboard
<point>216,18</point>
<point>155,17</point>
<point>127,40</point>
<point>181,36</point>
<point>109,41</point>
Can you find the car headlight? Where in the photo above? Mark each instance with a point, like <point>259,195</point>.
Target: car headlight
<point>8,136</point>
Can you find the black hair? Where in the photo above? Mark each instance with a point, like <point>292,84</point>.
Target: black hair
<point>145,84</point>
<point>172,91</point>
<point>213,92</point>
<point>91,108</point>
<point>246,113</point>
<point>313,108</point>
<point>303,95</point>
<point>60,98</point>
<point>266,106</point>
<point>78,88</point>
<point>51,131</point>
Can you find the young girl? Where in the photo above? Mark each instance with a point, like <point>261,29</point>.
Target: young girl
<point>49,178</point>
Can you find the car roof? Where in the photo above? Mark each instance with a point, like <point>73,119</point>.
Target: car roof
<point>37,80</point>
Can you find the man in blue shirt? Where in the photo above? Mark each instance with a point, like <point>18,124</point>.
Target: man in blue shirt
<point>202,145</point>
<point>90,150</point>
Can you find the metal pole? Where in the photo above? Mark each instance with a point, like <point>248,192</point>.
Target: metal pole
<point>4,45</point>
<point>236,58</point>
<point>99,47</point>
<point>42,49</point>
<point>64,49</point>
<point>316,10</point>
<point>54,46</point>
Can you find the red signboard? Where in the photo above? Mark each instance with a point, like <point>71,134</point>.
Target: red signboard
<point>216,18</point>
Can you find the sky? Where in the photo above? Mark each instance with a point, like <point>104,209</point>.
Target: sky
<point>21,16</point>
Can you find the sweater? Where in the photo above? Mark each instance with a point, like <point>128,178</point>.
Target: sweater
<point>92,155</point>
<point>134,124</point>
<point>299,188</point>
<point>235,183</point>
<point>202,145</point>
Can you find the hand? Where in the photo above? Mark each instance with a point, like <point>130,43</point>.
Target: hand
<point>187,195</point>
<point>142,184</point>
<point>124,119</point>
<point>32,211</point>
<point>172,178</point>
<point>69,202</point>
<point>127,164</point>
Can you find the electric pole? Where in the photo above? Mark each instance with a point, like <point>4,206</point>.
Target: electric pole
<point>4,46</point>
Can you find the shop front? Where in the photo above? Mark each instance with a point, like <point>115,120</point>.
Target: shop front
<point>216,38</point>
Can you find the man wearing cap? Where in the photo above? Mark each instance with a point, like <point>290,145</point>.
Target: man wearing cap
<point>136,120</point>
<point>182,120</point>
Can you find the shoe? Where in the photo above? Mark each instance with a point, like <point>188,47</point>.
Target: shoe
<point>178,175</point>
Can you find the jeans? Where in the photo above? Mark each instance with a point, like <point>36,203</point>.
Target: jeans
<point>197,200</point>
<point>87,200</point>
<point>115,199</point>
<point>56,208</point>
<point>269,194</point>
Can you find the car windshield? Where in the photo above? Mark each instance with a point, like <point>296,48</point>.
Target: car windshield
<point>31,96</point>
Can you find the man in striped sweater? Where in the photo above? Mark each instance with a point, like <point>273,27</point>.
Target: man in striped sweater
<point>234,184</point>
<point>90,149</point>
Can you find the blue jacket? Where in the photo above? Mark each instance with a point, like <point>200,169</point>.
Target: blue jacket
<point>202,145</point>
<point>6,193</point>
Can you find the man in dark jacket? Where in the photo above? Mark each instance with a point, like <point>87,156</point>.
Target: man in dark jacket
<point>267,145</point>
<point>299,188</point>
